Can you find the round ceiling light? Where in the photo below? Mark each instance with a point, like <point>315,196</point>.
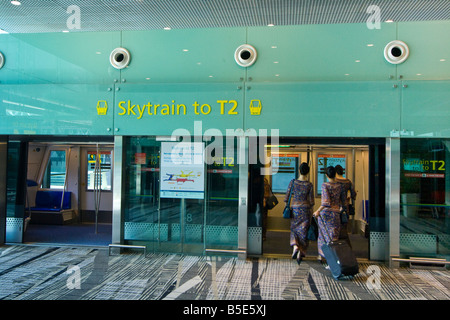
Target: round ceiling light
<point>119,58</point>
<point>396,52</point>
<point>245,55</point>
<point>2,60</point>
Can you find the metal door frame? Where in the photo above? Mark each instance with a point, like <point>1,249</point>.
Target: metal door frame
<point>392,199</point>
<point>3,181</point>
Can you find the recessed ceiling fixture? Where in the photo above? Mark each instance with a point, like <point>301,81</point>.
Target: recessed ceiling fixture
<point>396,52</point>
<point>16,3</point>
<point>245,55</point>
<point>120,58</point>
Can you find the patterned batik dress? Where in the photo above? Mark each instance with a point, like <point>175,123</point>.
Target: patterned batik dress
<point>302,202</point>
<point>333,197</point>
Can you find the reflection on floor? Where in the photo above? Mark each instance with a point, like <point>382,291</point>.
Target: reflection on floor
<point>44,273</point>
<point>277,243</point>
<point>77,234</point>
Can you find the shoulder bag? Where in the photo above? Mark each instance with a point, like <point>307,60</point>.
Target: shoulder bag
<point>287,212</point>
<point>313,230</point>
<point>271,201</point>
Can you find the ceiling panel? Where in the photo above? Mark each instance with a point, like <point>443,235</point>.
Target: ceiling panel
<point>35,16</point>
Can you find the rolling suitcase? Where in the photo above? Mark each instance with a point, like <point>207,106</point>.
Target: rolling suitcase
<point>340,258</point>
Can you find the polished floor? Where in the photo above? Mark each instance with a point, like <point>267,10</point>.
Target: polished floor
<point>86,273</point>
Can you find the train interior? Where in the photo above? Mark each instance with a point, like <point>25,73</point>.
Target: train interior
<point>69,193</point>
<point>287,158</point>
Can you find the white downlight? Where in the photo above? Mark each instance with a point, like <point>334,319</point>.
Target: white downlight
<point>2,60</point>
<point>396,52</point>
<point>245,55</point>
<point>119,58</point>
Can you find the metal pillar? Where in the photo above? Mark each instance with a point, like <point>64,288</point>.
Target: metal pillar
<point>117,218</point>
<point>243,196</point>
<point>3,181</point>
<point>393,199</point>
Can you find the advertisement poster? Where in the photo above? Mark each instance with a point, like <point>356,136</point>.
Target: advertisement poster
<point>182,170</point>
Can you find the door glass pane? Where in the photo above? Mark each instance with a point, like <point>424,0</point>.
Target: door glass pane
<point>55,173</point>
<point>425,197</point>
<point>141,202</point>
<point>15,191</point>
<point>222,197</point>
<point>177,224</point>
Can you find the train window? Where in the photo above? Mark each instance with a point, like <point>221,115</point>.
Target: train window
<point>99,174</point>
<point>55,173</point>
<point>286,168</point>
<point>324,161</point>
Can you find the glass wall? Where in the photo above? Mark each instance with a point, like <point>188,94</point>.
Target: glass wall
<point>189,215</point>
<point>425,198</point>
<point>15,191</point>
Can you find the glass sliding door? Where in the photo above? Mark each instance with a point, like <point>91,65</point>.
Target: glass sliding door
<point>3,182</point>
<point>16,191</point>
<point>425,198</point>
<point>141,200</point>
<point>222,201</point>
<point>171,207</point>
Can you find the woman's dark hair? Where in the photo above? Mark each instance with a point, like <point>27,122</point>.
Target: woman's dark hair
<point>304,168</point>
<point>331,172</point>
<point>339,170</point>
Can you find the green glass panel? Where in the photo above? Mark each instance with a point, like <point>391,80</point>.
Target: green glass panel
<point>200,55</point>
<point>56,109</point>
<point>425,198</point>
<point>429,57</point>
<point>349,109</point>
<point>159,109</point>
<point>58,57</point>
<point>176,224</point>
<point>321,52</point>
<point>15,191</point>
<point>426,108</point>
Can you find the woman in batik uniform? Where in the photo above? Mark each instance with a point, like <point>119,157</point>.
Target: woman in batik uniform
<point>302,202</point>
<point>333,200</point>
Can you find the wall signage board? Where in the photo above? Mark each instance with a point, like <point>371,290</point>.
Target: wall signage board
<point>182,170</point>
